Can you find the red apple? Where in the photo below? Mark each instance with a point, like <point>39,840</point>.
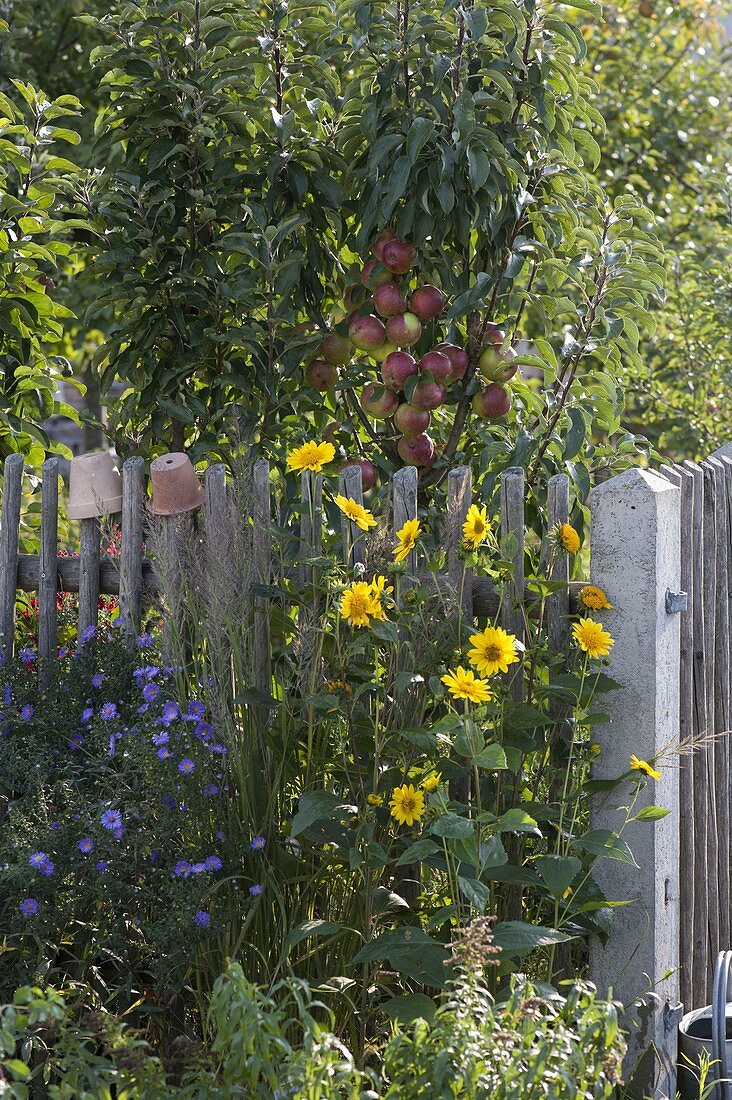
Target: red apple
<point>388,300</point>
<point>493,334</point>
<point>410,421</point>
<point>438,364</point>
<point>458,358</point>
<point>418,450</point>
<point>382,352</point>
<point>368,473</point>
<point>336,350</point>
<point>321,375</point>
<point>496,365</point>
<point>378,246</point>
<point>378,401</point>
<point>398,256</point>
<point>403,330</point>
<point>428,395</point>
<point>366,333</point>
<point>397,368</point>
<point>370,276</point>
<point>427,302</point>
<point>353,296</point>
<point>492,402</point>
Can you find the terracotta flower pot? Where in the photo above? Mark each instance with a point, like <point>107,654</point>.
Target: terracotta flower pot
<point>175,486</point>
<point>95,487</point>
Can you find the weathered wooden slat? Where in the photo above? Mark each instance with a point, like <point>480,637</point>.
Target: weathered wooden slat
<point>262,554</point>
<point>709,547</point>
<point>311,523</point>
<point>47,574</point>
<point>677,475</point>
<point>558,602</point>
<point>404,505</point>
<point>9,533</point>
<point>701,978</point>
<point>216,506</point>
<point>459,496</point>
<point>350,484</point>
<point>216,516</point>
<point>512,522</point>
<point>722,698</point>
<point>131,549</point>
<point>89,574</point>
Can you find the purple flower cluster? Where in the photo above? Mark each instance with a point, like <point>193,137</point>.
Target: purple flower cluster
<point>184,868</point>
<point>40,862</point>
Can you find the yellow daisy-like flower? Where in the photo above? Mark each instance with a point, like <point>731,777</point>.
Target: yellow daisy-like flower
<point>379,588</point>
<point>355,512</point>
<point>338,685</point>
<point>592,638</point>
<point>568,538</point>
<point>358,606</point>
<point>407,804</point>
<point>375,799</point>
<point>310,456</point>
<point>464,684</point>
<point>407,539</point>
<point>594,598</point>
<point>432,782</point>
<point>643,766</point>
<point>493,650</point>
<point>475,528</point>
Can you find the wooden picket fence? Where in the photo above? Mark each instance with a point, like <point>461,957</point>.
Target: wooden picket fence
<point>705,713</point>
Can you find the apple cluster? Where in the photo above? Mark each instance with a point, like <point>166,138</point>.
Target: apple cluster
<point>386,321</point>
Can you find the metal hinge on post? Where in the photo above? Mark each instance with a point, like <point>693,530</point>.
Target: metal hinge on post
<point>676,601</point>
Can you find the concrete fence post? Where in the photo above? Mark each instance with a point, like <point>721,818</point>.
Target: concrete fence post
<point>636,559</point>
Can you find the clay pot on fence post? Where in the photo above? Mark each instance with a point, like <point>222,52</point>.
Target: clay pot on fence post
<point>95,486</point>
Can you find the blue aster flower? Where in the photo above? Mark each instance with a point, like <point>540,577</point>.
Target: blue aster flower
<point>37,859</point>
<point>182,868</point>
<point>202,918</point>
<point>27,712</point>
<point>85,845</point>
<point>76,740</point>
<point>256,890</point>
<point>198,868</point>
<point>150,692</point>
<point>171,711</point>
<point>220,750</point>
<point>213,863</point>
<point>186,766</point>
<point>87,714</point>
<point>108,711</point>
<point>195,711</point>
<point>111,819</point>
<point>145,641</point>
<point>7,695</point>
<point>27,656</point>
<point>97,679</point>
<point>210,790</point>
<point>258,843</point>
<point>163,753</point>
<point>119,832</point>
<point>102,865</point>
<point>29,907</point>
<point>204,731</point>
<point>46,869</point>
<point>88,633</point>
<point>161,738</point>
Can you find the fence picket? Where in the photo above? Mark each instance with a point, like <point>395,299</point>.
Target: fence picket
<point>311,523</point>
<point>721,697</point>
<point>350,484</point>
<point>131,548</point>
<point>47,572</point>
<point>404,506</point>
<point>261,568</point>
<point>459,496</point>
<point>709,546</point>
<point>512,523</point>
<point>9,533</point>
<point>558,602</point>
<point>89,560</point>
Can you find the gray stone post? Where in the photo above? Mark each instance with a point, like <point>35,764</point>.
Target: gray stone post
<point>636,559</point>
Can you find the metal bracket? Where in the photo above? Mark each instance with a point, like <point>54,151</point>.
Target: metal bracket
<point>676,601</point>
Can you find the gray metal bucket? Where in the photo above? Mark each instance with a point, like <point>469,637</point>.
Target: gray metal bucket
<point>709,1029</point>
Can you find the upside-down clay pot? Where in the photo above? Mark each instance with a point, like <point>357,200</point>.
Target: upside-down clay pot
<point>175,485</point>
<point>95,486</point>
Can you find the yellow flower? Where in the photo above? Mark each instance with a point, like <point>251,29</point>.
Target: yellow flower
<point>358,606</point>
<point>311,456</point>
<point>493,650</point>
<point>378,588</point>
<point>407,805</point>
<point>432,782</point>
<point>375,799</point>
<point>355,512</point>
<point>594,598</point>
<point>568,538</point>
<point>643,766</point>
<point>338,685</point>
<point>595,749</point>
<point>592,638</point>
<point>568,892</point>
<point>464,684</point>
<point>407,539</point>
<point>475,528</point>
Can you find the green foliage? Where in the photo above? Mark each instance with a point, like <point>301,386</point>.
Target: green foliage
<point>266,1045</point>
<point>34,245</point>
